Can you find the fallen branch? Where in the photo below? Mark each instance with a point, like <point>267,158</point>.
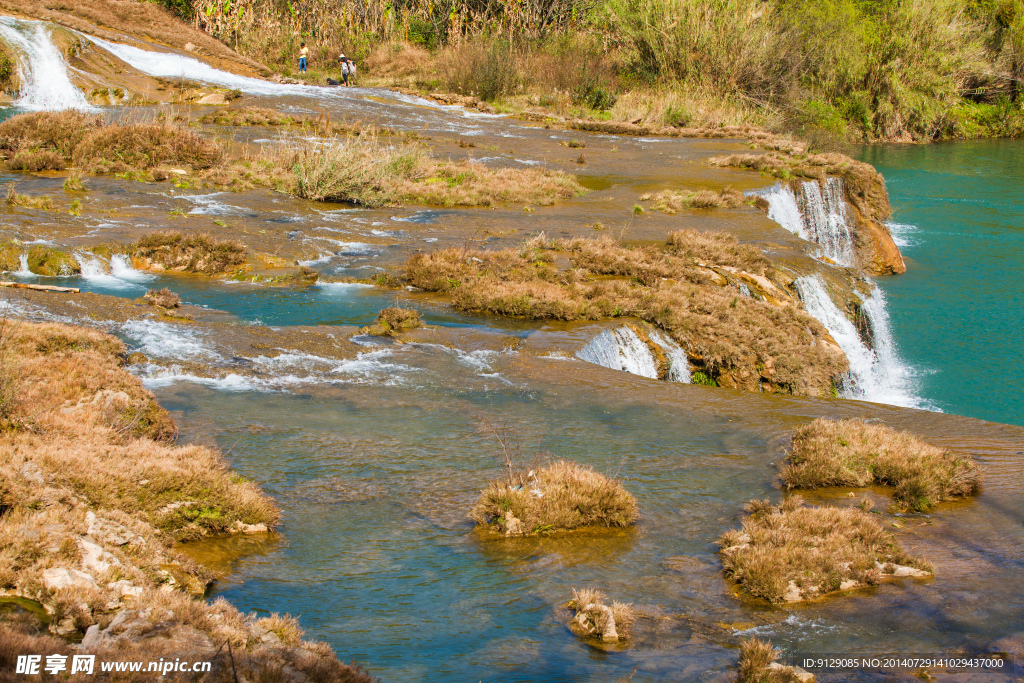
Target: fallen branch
<point>41,288</point>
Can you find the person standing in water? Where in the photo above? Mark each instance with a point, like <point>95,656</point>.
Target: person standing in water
<point>303,55</point>
<point>343,63</point>
<point>351,73</point>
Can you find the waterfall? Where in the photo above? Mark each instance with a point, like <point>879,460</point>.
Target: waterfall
<point>44,74</point>
<point>118,274</point>
<point>679,364</point>
<point>23,271</point>
<point>620,349</point>
<point>877,375</point>
<point>815,215</point>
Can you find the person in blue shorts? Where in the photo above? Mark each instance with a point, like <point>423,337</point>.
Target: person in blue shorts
<point>303,57</point>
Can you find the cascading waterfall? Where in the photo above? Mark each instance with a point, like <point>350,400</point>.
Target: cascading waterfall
<point>679,364</point>
<point>877,375</point>
<point>23,271</point>
<point>623,349</point>
<point>815,215</point>
<point>44,74</point>
<point>620,349</point>
<point>118,274</point>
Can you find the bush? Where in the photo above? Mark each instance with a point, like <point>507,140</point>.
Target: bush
<point>558,497</point>
<point>855,453</point>
<point>792,552</point>
<point>487,71</point>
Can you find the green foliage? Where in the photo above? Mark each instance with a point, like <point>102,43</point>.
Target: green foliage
<point>700,377</point>
<point>182,8</point>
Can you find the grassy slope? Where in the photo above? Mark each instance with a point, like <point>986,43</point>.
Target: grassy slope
<point>827,69</point>
<point>92,487</point>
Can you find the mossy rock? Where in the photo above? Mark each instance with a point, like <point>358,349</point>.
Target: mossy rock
<point>10,256</point>
<point>52,262</point>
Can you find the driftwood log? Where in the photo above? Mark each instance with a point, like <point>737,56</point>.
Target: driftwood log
<point>41,288</point>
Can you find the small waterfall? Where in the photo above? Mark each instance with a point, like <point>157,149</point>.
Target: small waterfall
<point>877,375</point>
<point>121,268</point>
<point>23,271</point>
<point>118,274</point>
<point>679,364</point>
<point>44,74</point>
<point>815,215</point>
<point>620,349</point>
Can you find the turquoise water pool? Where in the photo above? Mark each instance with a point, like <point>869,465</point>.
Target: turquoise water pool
<point>958,312</point>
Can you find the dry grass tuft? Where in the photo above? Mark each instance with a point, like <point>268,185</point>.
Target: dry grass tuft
<point>671,201</point>
<point>856,453</point>
<point>690,289</point>
<point>163,298</point>
<point>14,198</point>
<point>793,552</point>
<point>365,171</point>
<point>560,496</point>
<point>756,660</point>
<point>192,253</point>
<point>54,140</point>
<point>595,619</point>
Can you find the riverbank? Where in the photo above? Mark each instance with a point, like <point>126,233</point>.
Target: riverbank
<point>830,72</point>
<point>94,495</point>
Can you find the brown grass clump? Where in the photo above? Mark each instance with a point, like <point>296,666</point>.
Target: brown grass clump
<point>163,298</point>
<point>671,201</point>
<point>793,552</point>
<point>757,664</point>
<point>54,140</point>
<point>14,198</point>
<point>690,289</point>
<point>191,253</point>
<point>594,619</point>
<point>391,321</point>
<point>558,497</point>
<point>856,453</point>
<point>367,172</point>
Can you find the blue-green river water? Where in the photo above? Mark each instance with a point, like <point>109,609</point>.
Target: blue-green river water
<point>958,311</point>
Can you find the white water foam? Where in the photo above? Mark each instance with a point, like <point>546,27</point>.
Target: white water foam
<point>43,72</point>
<point>620,349</point>
<point>877,375</point>
<point>23,270</point>
<point>173,342</point>
<point>121,268</point>
<point>902,234</point>
<point>679,364</point>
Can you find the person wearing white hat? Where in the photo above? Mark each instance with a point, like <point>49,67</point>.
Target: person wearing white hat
<point>343,62</point>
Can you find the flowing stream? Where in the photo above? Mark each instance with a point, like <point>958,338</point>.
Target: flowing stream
<point>376,459</point>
